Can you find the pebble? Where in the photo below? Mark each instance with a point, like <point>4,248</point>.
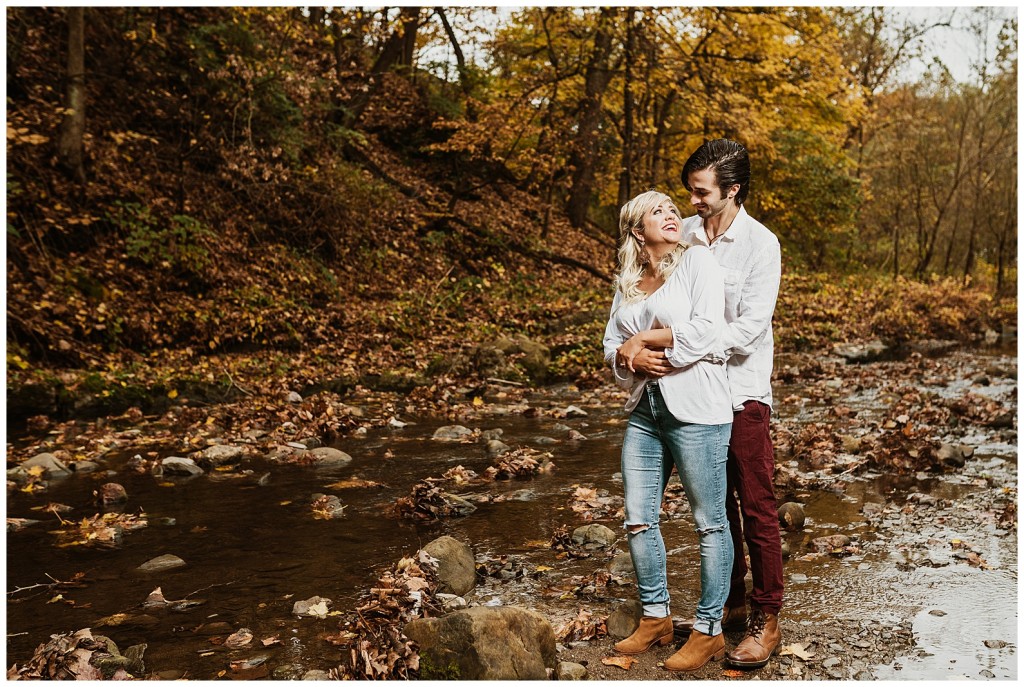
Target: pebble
<point>575,411</point>
<point>797,577</point>
<point>987,673</point>
<point>316,675</point>
<point>937,612</point>
<point>571,671</point>
<point>162,564</point>
<point>995,643</point>
<point>831,662</point>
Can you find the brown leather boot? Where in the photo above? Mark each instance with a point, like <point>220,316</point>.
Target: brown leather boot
<point>698,650</point>
<point>733,618</point>
<point>651,631</point>
<point>763,637</point>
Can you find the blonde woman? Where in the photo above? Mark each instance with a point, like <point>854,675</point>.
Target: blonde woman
<point>671,297</point>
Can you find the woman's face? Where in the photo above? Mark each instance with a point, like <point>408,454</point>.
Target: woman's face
<point>662,228</point>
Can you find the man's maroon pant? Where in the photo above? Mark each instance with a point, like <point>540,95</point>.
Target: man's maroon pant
<point>750,469</point>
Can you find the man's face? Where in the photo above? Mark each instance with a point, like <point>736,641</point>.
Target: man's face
<point>705,196</point>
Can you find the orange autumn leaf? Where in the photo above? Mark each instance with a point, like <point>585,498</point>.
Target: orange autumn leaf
<point>624,662</point>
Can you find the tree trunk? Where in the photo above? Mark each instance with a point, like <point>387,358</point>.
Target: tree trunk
<point>582,160</point>
<point>70,148</point>
<point>395,50</point>
<point>626,173</point>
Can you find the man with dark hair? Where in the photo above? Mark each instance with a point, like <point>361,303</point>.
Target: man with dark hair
<point>717,175</point>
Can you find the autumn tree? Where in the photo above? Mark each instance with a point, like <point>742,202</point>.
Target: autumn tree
<point>70,147</point>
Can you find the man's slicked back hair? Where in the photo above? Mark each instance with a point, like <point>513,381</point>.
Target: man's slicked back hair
<point>727,159</point>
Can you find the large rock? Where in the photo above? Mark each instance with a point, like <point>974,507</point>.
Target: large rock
<point>330,457</point>
<point>50,464</point>
<point>452,433</point>
<point>622,564</point>
<point>173,465</point>
<point>162,564</point>
<point>624,620</point>
<point>509,358</point>
<point>862,353</point>
<point>594,536</point>
<point>456,567</point>
<point>220,454</point>
<point>484,643</point>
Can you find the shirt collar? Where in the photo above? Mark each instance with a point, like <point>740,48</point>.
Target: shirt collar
<point>736,230</point>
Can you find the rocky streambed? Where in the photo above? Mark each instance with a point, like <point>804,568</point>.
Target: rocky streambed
<point>905,469</point>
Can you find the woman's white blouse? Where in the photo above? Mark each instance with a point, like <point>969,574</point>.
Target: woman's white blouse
<point>692,304</point>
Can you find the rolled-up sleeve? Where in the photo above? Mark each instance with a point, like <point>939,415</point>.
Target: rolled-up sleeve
<point>702,333</point>
<point>760,290</point>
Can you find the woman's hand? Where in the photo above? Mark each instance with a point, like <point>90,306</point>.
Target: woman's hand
<point>626,352</point>
<point>652,363</point>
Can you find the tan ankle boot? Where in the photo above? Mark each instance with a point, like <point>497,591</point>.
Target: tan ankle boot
<point>698,650</point>
<point>651,631</point>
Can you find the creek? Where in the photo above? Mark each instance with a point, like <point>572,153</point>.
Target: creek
<point>252,548</point>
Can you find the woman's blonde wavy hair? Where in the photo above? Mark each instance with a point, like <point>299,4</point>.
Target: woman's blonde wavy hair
<point>631,269</point>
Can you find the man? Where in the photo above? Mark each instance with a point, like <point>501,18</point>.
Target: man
<point>717,175</point>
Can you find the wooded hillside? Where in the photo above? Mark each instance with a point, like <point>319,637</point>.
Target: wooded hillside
<point>238,196</point>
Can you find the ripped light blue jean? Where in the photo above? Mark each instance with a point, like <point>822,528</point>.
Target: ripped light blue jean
<point>654,441</point>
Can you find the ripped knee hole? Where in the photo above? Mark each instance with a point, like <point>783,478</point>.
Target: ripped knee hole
<point>637,529</point>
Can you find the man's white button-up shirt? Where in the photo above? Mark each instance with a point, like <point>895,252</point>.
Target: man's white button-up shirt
<point>751,261</point>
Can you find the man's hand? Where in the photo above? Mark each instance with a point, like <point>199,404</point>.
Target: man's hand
<point>652,363</point>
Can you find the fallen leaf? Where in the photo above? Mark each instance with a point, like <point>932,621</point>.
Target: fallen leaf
<point>318,610</point>
<point>270,641</point>
<point>733,673</point>
<point>798,650</point>
<point>624,662</point>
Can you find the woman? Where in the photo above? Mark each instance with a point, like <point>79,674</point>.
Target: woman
<point>670,296</point>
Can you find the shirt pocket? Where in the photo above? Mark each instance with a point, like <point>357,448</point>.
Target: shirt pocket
<point>733,288</point>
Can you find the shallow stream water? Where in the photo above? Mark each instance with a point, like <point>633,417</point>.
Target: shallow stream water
<point>254,549</point>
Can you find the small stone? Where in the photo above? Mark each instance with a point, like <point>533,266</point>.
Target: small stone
<point>330,457</point>
<point>496,448</point>
<point>452,433</point>
<point>111,492</point>
<point>951,455</point>
<point>288,671</point>
<point>576,436</point>
<point>360,432</point>
<point>864,566</point>
<point>393,423</point>
<point>294,397</point>
<point>624,620</point>
<point>571,671</point>
<point>301,608</point>
<point>995,643</point>
<point>831,662</point>
<point>797,578</point>
<point>173,465</point>
<point>84,466</point>
<point>982,380</point>
<point>215,456</point>
<point>575,411</point>
<point>492,434</point>
<point>162,564</point>
<point>594,536</point>
<point>791,516</point>
<point>937,612</point>
<point>622,564</point>
<point>318,675</point>
<point>863,675</point>
<point>830,543</point>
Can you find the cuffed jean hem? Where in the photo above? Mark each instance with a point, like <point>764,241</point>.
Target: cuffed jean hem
<point>708,627</point>
<point>656,610</point>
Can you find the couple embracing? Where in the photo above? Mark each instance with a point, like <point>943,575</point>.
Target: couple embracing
<point>690,336</point>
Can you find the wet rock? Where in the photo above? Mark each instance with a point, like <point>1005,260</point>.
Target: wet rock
<point>831,662</point>
<point>484,643</point>
<point>215,456</point>
<point>451,602</point>
<point>546,441</point>
<point>830,543</point>
<point>49,463</point>
<point>981,380</point>
<point>594,536</point>
<point>933,347</point>
<point>574,411</point>
<point>987,674</point>
<point>863,675</point>
<point>393,423</point>
<point>791,516</point>
<point>452,433</point>
<point>318,675</point>
<point>173,465</point>
<point>797,578</point>
<point>84,466</point>
<point>135,664</point>
<point>622,564</point>
<point>301,608</point>
<point>576,436</point>
<point>522,495</point>
<point>162,564</point>
<point>327,507</point>
<point>862,353</point>
<point>110,493</point>
<point>534,358</point>
<point>995,643</point>
<point>624,620</point>
<point>851,444</point>
<point>951,455</point>
<point>456,567</point>
<point>326,456</point>
<point>492,434</point>
<point>937,612</point>
<point>1003,420</point>
<point>288,671</point>
<point>495,448</point>
<point>568,670</point>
